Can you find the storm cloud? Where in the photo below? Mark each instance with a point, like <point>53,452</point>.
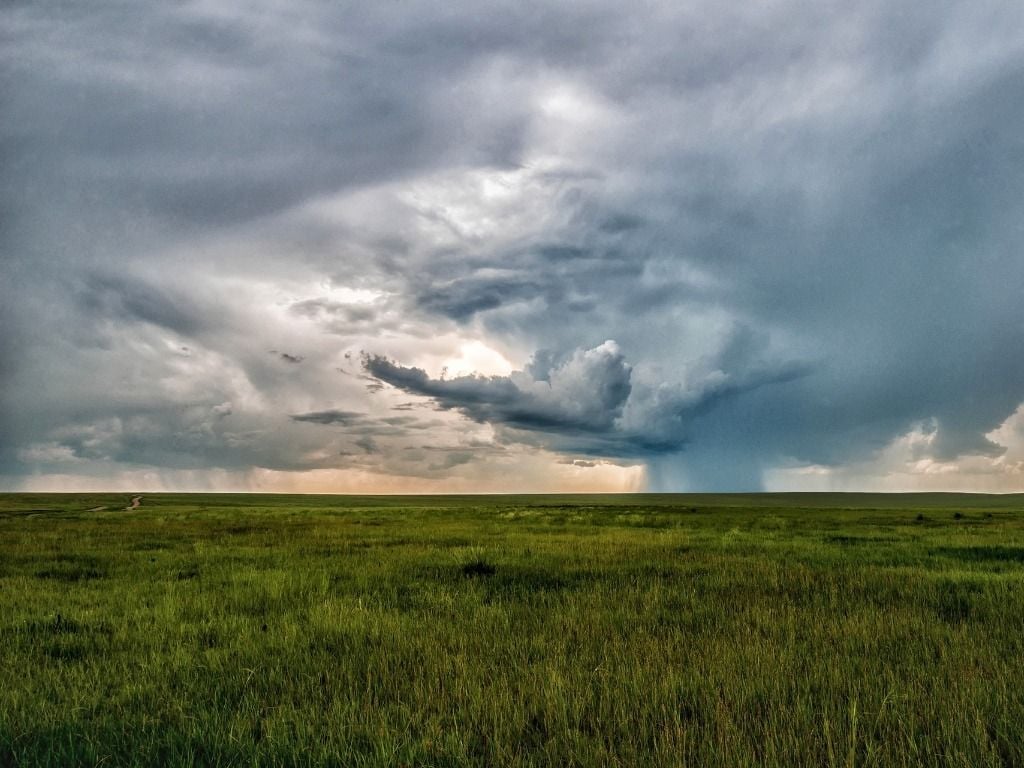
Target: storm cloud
<point>799,225</point>
<point>586,393</point>
<point>587,402</point>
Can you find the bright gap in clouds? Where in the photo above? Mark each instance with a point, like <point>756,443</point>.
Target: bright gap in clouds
<point>475,357</point>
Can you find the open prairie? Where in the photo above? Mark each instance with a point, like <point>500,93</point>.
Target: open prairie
<point>734,630</point>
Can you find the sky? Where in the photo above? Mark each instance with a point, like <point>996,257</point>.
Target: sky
<point>282,245</point>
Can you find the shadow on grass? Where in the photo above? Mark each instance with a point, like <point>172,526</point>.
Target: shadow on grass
<point>846,541</point>
<point>74,568</point>
<point>116,742</point>
<point>505,579</point>
<point>957,602</point>
<point>985,554</point>
<point>62,638</point>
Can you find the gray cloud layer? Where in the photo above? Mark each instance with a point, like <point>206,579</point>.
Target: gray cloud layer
<point>801,226</point>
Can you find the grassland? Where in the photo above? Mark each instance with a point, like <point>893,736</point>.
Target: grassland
<point>795,630</point>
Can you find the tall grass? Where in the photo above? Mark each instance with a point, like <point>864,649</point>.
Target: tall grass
<point>520,631</point>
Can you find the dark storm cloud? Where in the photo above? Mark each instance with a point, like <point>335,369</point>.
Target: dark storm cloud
<point>587,400</point>
<point>845,179</point>
<point>364,424</point>
<point>164,98</point>
<point>461,299</point>
<point>336,311</point>
<point>345,418</point>
<point>126,299</point>
<point>587,392</point>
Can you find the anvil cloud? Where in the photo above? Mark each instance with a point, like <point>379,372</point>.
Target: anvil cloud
<point>400,247</point>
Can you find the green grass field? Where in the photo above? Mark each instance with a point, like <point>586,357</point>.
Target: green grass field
<point>763,630</point>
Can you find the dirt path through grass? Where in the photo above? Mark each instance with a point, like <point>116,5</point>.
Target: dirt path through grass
<point>136,502</point>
